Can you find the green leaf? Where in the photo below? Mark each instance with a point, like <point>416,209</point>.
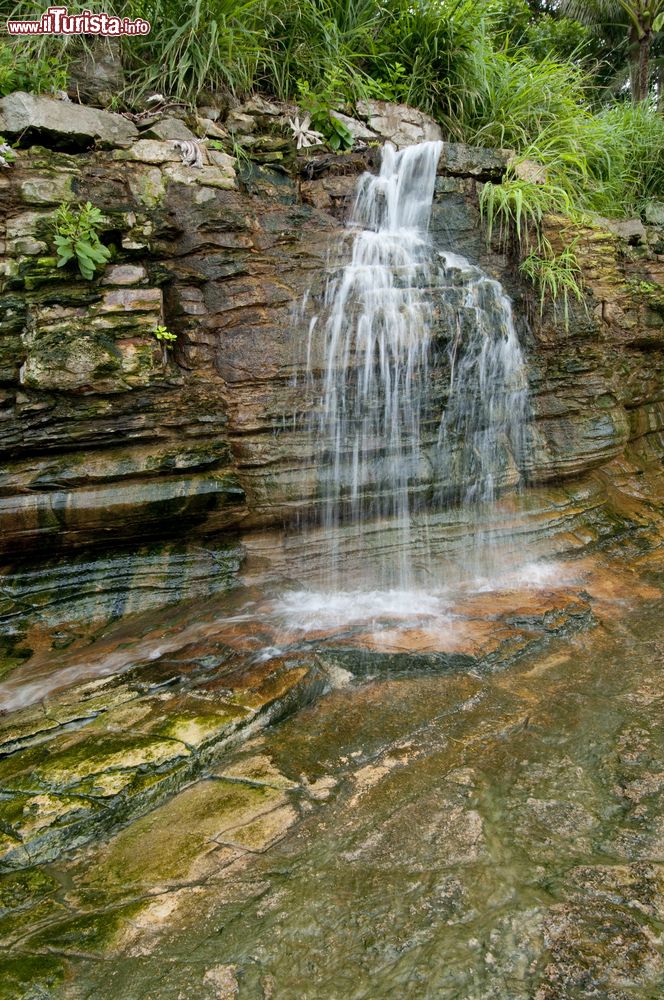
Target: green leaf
<point>64,256</point>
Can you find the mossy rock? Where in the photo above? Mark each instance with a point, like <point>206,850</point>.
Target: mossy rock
<point>173,843</point>
<point>91,933</point>
<point>30,977</point>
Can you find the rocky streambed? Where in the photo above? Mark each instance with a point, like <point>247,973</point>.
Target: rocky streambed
<point>458,801</point>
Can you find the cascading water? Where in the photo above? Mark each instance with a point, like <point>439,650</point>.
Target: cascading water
<point>419,376</point>
<point>481,434</point>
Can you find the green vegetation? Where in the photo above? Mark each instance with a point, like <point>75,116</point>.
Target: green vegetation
<point>556,276</point>
<point>550,81</point>
<point>77,235</point>
<point>576,87</point>
<point>164,335</point>
<point>318,107</point>
<point>20,70</point>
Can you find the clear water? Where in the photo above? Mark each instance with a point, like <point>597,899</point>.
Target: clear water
<point>492,837</point>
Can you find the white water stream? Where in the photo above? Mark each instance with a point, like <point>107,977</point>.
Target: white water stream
<point>392,442</point>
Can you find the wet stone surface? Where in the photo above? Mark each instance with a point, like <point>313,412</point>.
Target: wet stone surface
<point>491,829</point>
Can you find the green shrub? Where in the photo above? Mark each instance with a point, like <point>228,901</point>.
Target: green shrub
<point>77,236</point>
<point>627,168</point>
<point>318,106</point>
<point>440,48</point>
<point>33,68</point>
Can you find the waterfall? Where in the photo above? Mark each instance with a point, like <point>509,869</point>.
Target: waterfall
<point>393,439</point>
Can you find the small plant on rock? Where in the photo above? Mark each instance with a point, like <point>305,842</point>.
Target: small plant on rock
<point>77,235</point>
<point>166,341</point>
<point>164,335</point>
<point>319,121</point>
<point>555,275</point>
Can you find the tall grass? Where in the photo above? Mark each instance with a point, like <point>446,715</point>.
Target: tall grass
<point>323,43</point>
<point>630,169</point>
<point>442,50</point>
<point>454,59</point>
<point>204,45</point>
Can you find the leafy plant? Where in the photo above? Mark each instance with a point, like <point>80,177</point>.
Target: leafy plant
<point>393,86</point>
<point>318,109</point>
<point>163,335</point>
<point>77,235</point>
<point>34,68</point>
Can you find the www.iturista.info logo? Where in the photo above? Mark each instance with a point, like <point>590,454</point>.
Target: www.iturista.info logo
<point>57,21</point>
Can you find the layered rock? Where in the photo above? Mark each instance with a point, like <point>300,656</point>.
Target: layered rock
<point>109,436</point>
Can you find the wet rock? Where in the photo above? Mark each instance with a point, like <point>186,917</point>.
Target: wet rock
<point>600,945</point>
<point>631,230</point>
<point>459,160</point>
<point>210,129</point>
<point>124,274</point>
<point>330,194</point>
<point>359,132</point>
<point>137,740</point>
<point>238,121</point>
<point>65,125</point>
<point>223,982</point>
<point>224,268</point>
<point>155,151</point>
<point>192,834</point>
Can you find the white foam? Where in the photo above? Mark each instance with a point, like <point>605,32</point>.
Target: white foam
<point>310,610</point>
<point>530,576</point>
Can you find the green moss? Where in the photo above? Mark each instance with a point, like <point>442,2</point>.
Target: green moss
<point>164,845</point>
<point>197,729</point>
<point>149,187</point>
<point>93,933</point>
<point>68,762</point>
<point>30,977</point>
<point>15,927</point>
<point>21,890</point>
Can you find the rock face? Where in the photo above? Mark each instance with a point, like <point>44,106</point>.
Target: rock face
<point>459,160</point>
<point>399,123</point>
<point>65,124</point>
<point>97,76</point>
<point>108,435</point>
